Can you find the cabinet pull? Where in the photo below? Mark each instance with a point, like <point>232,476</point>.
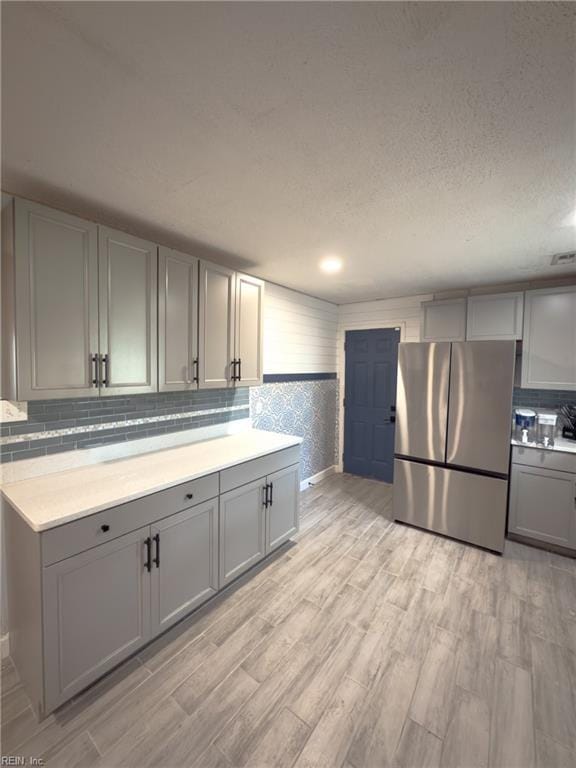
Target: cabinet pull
<point>148,563</point>
<point>189,495</point>
<point>271,494</point>
<point>239,377</point>
<point>195,376</point>
<point>157,542</point>
<point>105,528</point>
<point>105,370</point>
<point>95,370</point>
<point>233,377</point>
<point>265,502</point>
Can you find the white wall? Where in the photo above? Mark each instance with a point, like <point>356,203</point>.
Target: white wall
<point>401,313</point>
<point>299,332</point>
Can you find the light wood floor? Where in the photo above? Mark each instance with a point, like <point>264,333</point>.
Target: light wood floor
<point>366,644</point>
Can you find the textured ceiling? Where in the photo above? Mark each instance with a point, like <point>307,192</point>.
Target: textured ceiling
<point>431,145</point>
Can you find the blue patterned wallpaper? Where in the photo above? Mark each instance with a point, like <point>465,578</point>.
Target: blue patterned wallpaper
<point>308,409</point>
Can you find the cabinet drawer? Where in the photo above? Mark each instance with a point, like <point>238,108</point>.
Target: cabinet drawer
<point>538,457</point>
<point>252,470</point>
<point>71,538</point>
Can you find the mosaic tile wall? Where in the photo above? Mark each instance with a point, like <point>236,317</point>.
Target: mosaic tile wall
<point>54,426</point>
<point>308,409</point>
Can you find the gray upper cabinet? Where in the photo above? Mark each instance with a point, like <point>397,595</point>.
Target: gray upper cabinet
<point>549,346</point>
<point>282,511</point>
<point>89,311</point>
<point>177,321</point>
<point>242,529</point>
<point>56,298</point>
<point>185,563</point>
<point>128,268</point>
<point>216,325</point>
<point>443,320</point>
<point>96,613</point>
<point>495,317</point>
<point>248,345</point>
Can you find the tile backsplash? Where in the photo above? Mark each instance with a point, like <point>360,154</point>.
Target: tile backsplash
<point>543,398</point>
<point>54,426</point>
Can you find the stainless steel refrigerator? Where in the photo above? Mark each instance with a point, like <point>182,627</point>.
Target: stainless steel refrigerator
<point>452,443</point>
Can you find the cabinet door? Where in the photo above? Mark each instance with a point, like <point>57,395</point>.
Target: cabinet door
<point>216,325</point>
<point>177,321</point>
<point>56,275</point>
<point>242,530</point>
<point>185,563</point>
<point>283,513</point>
<point>128,270</point>
<point>549,347</point>
<point>96,613</point>
<point>495,317</point>
<point>248,346</point>
<point>543,505</point>
<point>443,320</point>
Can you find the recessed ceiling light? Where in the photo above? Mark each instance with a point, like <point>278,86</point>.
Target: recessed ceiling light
<point>331,264</point>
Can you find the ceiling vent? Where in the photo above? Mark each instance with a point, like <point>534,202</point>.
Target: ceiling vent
<point>563,259</point>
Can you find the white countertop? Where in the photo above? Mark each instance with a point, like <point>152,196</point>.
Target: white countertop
<point>51,500</point>
<point>560,444</point>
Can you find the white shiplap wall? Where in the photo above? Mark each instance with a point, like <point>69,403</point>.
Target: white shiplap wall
<point>300,332</point>
<point>401,313</point>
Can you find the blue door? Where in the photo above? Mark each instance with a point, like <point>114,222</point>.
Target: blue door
<point>370,402</point>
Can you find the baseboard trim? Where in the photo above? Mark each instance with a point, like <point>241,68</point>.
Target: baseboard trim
<point>317,477</point>
<point>4,646</point>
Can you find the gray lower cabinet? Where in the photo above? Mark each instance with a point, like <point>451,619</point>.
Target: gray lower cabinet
<point>97,612</point>
<point>283,511</point>
<point>543,505</point>
<point>242,529</point>
<point>184,563</point>
<point>87,594</point>
<point>256,518</point>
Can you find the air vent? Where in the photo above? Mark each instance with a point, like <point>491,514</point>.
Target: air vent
<point>563,259</point>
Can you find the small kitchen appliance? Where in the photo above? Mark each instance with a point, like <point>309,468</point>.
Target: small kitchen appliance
<point>547,428</point>
<point>525,425</point>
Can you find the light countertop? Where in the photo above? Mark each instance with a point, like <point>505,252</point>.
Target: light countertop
<point>51,500</point>
<point>560,444</point>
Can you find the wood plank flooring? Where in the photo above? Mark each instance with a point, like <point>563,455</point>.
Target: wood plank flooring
<point>365,644</point>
